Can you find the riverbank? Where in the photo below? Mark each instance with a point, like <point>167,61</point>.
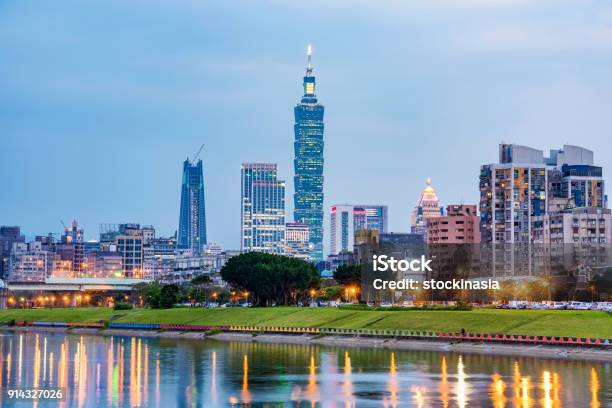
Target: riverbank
<point>500,349</point>
<point>569,323</point>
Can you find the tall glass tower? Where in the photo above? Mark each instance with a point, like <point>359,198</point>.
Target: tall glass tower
<point>263,208</point>
<point>192,221</point>
<point>308,162</point>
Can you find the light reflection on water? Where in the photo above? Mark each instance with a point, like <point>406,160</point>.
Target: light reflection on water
<point>132,371</point>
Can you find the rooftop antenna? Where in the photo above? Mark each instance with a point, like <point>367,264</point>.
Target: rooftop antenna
<point>197,154</point>
<point>309,66</point>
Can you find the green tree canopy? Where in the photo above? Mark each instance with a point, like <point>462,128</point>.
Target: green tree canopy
<point>169,296</point>
<point>348,275</point>
<point>268,277</point>
<point>201,280</point>
<point>150,292</point>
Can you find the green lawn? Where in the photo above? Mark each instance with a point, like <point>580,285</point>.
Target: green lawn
<point>529,322</point>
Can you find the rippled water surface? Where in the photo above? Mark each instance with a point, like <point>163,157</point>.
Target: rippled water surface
<point>132,371</point>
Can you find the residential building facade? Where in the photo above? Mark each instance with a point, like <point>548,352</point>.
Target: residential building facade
<point>28,262</point>
<point>524,186</point>
<point>460,225</point>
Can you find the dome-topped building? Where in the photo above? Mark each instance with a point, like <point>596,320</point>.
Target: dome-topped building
<point>428,206</point>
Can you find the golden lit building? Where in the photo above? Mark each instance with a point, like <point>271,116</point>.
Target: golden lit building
<point>428,206</point>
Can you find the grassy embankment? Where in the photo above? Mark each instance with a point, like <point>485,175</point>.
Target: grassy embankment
<point>529,322</point>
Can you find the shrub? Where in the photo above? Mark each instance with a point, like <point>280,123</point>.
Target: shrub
<point>123,306</point>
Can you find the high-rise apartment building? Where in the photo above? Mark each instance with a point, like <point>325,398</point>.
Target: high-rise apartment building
<point>28,262</point>
<point>192,220</point>
<point>262,208</point>
<point>308,162</point>
<point>587,225</point>
<point>525,185</point>
<point>460,225</point>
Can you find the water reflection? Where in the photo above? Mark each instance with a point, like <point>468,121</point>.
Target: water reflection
<point>131,371</point>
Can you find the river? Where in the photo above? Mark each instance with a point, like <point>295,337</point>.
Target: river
<point>132,371</point>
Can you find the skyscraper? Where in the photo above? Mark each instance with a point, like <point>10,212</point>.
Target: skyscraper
<point>428,206</point>
<point>347,219</point>
<point>192,222</point>
<point>262,208</point>
<point>342,229</point>
<point>371,217</point>
<point>308,162</point>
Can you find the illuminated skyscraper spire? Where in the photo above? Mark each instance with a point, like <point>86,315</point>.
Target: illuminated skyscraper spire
<point>309,66</point>
<point>308,162</point>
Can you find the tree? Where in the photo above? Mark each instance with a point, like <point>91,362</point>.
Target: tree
<point>270,278</point>
<point>196,295</point>
<point>348,275</point>
<point>332,293</point>
<point>201,280</point>
<point>150,293</point>
<point>169,296</point>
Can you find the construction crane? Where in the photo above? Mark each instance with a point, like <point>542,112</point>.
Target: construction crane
<point>197,154</point>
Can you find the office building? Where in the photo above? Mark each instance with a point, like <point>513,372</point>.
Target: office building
<point>428,206</point>
<point>347,219</point>
<point>192,220</point>
<point>308,162</point>
<point>342,229</point>
<point>371,217</point>
<point>8,236</point>
<point>297,240</point>
<point>460,225</point>
<point>262,208</point>
<point>91,245</point>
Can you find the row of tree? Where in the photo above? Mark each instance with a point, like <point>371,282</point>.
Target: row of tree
<point>258,278</point>
<point>271,279</point>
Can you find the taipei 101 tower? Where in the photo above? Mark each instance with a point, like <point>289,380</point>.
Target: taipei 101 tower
<point>308,162</point>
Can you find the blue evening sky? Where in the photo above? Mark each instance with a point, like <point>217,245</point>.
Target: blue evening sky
<point>101,101</point>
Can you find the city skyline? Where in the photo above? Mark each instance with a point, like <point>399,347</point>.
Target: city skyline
<point>94,118</point>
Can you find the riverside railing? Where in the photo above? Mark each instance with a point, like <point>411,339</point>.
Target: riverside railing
<point>396,334</point>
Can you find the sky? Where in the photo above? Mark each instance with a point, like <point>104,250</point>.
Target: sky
<point>102,101</point>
